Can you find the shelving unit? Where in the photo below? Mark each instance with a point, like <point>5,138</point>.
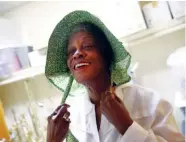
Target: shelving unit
<point>134,39</point>
<point>23,74</point>
<point>156,32</point>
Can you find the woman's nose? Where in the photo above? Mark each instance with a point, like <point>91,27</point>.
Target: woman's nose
<point>78,55</point>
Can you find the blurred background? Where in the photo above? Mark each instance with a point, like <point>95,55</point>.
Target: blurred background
<point>152,31</point>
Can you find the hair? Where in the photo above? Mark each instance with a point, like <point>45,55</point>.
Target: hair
<point>104,46</point>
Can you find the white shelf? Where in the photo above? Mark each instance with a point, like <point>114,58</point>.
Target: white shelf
<point>156,32</point>
<point>23,74</point>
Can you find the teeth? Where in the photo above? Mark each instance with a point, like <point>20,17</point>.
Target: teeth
<point>81,64</point>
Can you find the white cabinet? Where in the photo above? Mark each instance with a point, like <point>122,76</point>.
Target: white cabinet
<point>122,17</point>
<point>10,33</point>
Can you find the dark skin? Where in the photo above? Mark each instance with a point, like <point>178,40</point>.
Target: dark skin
<point>57,127</point>
<point>92,73</point>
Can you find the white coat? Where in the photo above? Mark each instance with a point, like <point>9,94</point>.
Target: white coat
<point>153,119</point>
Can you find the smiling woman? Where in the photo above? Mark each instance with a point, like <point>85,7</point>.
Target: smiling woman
<point>109,109</point>
<point>89,53</point>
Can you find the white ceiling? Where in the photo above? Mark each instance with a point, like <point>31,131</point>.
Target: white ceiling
<point>8,5</point>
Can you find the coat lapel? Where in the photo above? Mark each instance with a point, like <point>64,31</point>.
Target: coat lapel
<point>83,124</point>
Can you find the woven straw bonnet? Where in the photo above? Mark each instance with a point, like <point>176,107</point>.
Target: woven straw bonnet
<point>56,69</point>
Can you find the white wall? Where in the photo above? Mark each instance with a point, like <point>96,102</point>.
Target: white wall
<point>10,33</point>
<point>152,56</point>
<point>153,71</point>
<point>153,53</point>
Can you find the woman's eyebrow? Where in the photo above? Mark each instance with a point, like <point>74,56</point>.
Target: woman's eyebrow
<point>89,38</point>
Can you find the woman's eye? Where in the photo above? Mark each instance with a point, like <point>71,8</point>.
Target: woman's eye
<point>87,47</point>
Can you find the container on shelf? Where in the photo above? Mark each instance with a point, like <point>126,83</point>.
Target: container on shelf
<point>156,13</point>
<point>22,53</point>
<point>9,62</point>
<point>4,70</point>
<point>12,60</point>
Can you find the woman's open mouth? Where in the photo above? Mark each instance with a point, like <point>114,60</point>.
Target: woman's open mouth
<point>81,65</point>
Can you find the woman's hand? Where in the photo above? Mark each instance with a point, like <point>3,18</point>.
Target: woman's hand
<point>58,124</point>
<point>114,110</point>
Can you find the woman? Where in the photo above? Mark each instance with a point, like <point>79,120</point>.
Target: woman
<point>109,109</point>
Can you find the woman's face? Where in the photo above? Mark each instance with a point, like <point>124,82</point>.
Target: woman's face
<point>84,59</point>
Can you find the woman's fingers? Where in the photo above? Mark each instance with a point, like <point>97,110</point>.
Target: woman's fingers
<point>56,111</point>
<point>61,113</point>
<point>106,94</point>
<point>103,96</point>
<point>67,105</point>
<point>118,99</point>
<point>57,126</point>
<point>107,97</point>
<point>58,108</point>
<point>66,116</point>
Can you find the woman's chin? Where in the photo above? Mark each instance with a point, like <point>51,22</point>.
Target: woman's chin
<point>83,79</point>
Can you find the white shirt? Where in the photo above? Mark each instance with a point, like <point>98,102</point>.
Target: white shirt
<point>152,118</point>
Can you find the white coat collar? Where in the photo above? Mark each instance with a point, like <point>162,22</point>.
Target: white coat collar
<point>140,102</point>
<point>136,100</point>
